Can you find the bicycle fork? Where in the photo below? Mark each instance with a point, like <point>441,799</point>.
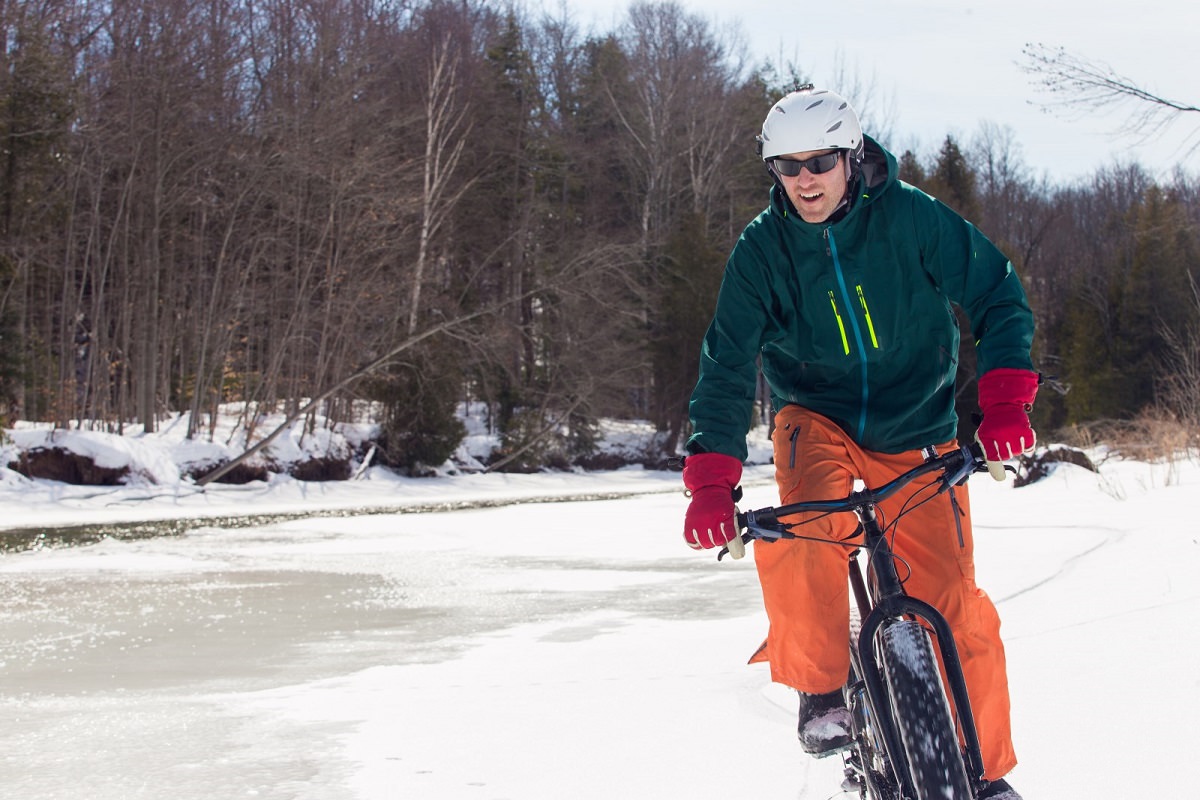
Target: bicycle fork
<point>892,604</point>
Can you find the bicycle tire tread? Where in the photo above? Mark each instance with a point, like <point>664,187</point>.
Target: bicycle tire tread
<point>922,713</point>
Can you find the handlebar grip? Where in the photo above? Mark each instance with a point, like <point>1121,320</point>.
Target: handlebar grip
<point>735,546</point>
<point>994,468</point>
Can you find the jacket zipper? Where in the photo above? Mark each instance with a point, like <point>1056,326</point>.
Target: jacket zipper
<point>841,325</point>
<point>862,299</point>
<point>855,328</point>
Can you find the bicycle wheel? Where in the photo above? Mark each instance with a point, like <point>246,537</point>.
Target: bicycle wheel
<point>922,713</point>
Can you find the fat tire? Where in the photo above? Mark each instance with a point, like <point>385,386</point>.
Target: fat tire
<point>922,713</point>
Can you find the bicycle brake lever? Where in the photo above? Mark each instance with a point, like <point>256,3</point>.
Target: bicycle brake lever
<point>736,548</point>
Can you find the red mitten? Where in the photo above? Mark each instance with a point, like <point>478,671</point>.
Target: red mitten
<point>711,478</point>
<point>1006,398</point>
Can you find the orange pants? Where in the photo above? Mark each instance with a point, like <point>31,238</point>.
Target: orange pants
<point>805,584</point>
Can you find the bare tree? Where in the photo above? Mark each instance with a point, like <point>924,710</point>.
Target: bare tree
<point>1014,207</point>
<point>1079,84</point>
<point>446,126</point>
<point>876,107</point>
<point>1179,386</point>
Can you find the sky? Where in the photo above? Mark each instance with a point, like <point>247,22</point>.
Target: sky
<point>943,66</point>
<point>536,650</point>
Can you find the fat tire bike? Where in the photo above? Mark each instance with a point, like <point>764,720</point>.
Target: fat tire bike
<point>909,741</point>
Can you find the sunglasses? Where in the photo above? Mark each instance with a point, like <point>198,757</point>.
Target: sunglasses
<point>817,165</point>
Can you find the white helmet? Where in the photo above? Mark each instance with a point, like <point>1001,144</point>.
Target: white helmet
<point>811,119</point>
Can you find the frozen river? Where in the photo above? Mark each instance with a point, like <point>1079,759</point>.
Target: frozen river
<point>144,667</point>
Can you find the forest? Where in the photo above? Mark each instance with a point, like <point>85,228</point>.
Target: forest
<point>377,210</point>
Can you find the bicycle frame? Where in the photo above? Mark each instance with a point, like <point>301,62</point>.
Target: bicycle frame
<point>883,599</point>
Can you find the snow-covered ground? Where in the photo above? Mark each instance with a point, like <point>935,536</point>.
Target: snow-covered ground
<point>549,650</point>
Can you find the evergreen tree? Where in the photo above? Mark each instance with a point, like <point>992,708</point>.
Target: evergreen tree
<point>1155,296</point>
<point>691,276</point>
<point>1096,385</point>
<point>1118,340</point>
<point>910,169</point>
<point>953,181</point>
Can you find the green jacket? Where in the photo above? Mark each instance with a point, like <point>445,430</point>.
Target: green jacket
<point>853,319</point>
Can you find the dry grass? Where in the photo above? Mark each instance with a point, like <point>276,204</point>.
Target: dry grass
<point>1156,436</point>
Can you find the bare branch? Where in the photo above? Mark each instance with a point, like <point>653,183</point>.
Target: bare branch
<point>361,372</point>
<point>1084,86</point>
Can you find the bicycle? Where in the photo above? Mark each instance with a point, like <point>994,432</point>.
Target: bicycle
<point>908,741</point>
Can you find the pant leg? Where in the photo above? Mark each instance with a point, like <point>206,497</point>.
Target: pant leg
<point>805,589</point>
<point>804,583</point>
<point>935,544</point>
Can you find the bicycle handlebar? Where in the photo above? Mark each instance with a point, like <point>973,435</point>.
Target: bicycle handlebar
<point>955,467</point>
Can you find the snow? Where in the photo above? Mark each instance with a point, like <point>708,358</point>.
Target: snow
<point>552,647</point>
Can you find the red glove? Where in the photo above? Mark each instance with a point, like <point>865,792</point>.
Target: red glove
<point>711,478</point>
<point>1006,398</point>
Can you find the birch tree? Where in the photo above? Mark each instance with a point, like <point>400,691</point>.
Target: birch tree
<point>447,124</point>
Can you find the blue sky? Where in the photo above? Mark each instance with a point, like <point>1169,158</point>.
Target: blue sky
<point>945,66</point>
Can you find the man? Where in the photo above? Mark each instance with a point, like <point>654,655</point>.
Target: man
<point>843,287</point>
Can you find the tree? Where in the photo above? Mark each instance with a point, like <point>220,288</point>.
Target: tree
<point>690,279</point>
<point>1115,345</point>
<point>1179,383</point>
<point>1077,83</point>
<point>447,125</point>
<point>1156,295</point>
<point>910,169</point>
<point>42,46</point>
<point>953,180</point>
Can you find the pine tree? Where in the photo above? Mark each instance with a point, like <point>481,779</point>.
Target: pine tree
<point>953,181</point>
<point>691,276</point>
<point>1155,296</point>
<point>910,169</point>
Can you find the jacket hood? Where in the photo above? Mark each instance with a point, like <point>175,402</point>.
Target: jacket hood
<point>879,166</point>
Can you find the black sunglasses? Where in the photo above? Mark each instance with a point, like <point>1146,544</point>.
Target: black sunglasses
<point>817,165</point>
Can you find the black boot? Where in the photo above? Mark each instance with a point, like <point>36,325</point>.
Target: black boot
<point>824,723</point>
<point>999,790</point>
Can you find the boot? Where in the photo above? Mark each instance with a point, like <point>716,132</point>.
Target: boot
<point>824,727</point>
<point>999,790</point>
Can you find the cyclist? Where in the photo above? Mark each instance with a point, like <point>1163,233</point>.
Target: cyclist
<point>843,288</point>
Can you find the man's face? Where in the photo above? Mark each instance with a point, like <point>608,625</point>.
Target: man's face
<point>815,195</point>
